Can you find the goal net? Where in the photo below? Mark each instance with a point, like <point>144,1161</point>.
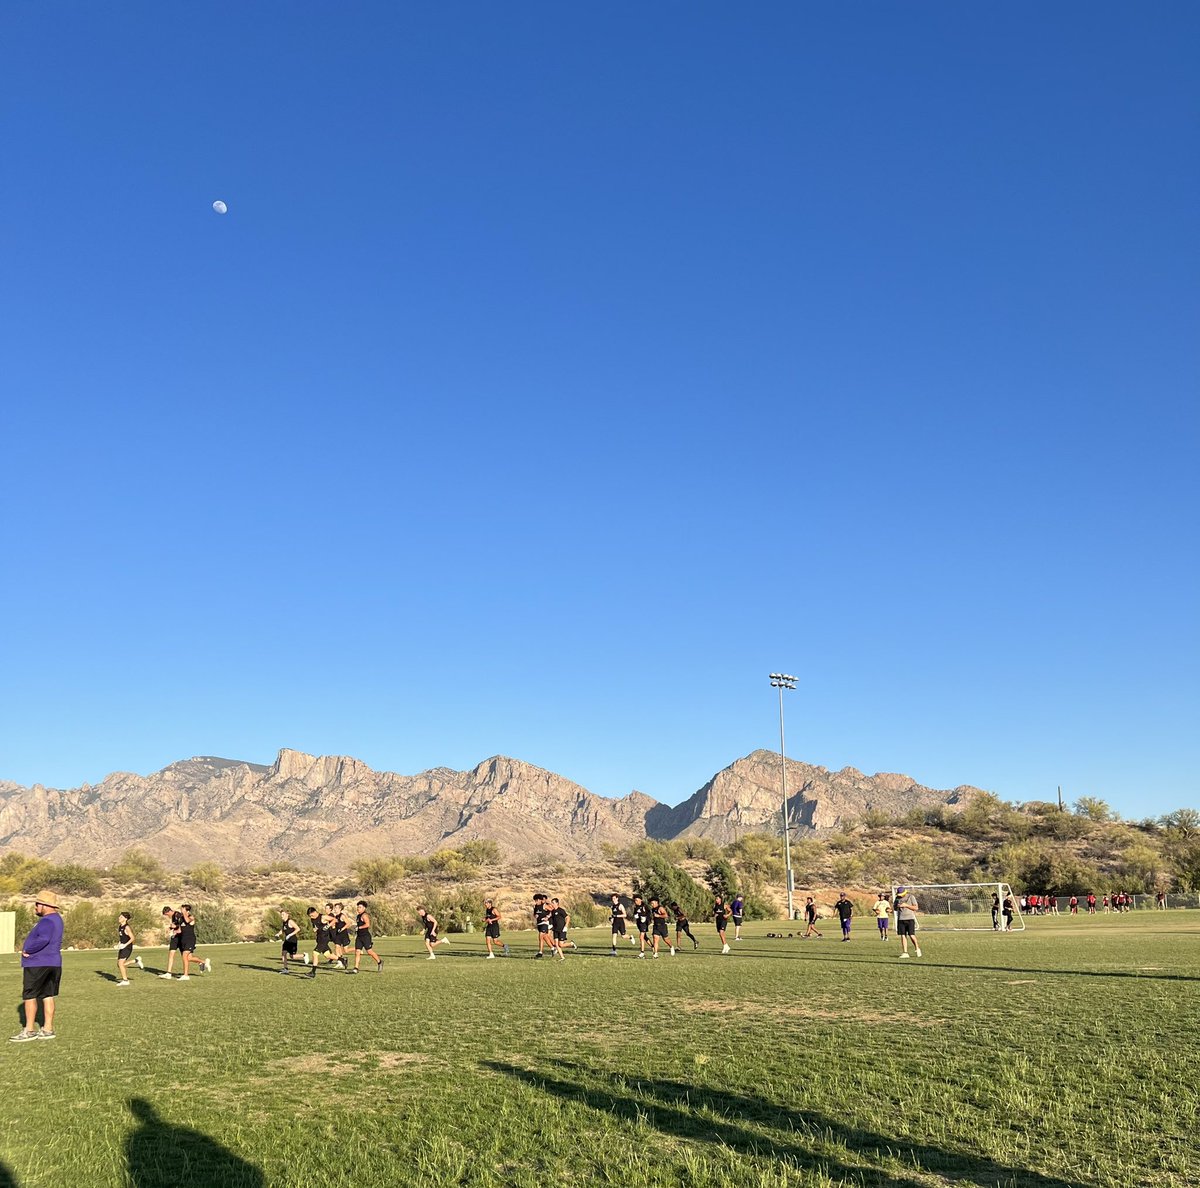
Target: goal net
<point>963,907</point>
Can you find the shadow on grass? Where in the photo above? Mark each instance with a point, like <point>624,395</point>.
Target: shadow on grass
<point>672,1107</point>
<point>160,1155</point>
<point>7,1179</point>
<point>106,976</point>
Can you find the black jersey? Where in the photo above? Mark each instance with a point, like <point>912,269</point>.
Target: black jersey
<point>680,914</point>
<point>177,921</point>
<point>641,916</point>
<point>558,918</point>
<point>720,911</point>
<point>124,936</point>
<point>320,927</point>
<point>360,922</point>
<point>290,929</point>
<point>541,916</point>
<point>618,912</point>
<point>491,916</point>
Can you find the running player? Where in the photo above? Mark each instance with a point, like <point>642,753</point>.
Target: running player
<point>559,919</point>
<point>682,926</point>
<point>431,934</point>
<point>721,917</point>
<point>338,959</point>
<point>810,915</point>
<point>289,936</point>
<point>641,921</point>
<point>125,948</point>
<point>320,927</point>
<point>737,910</point>
<point>541,921</point>
<point>173,922</point>
<point>619,916</point>
<point>363,942</point>
<point>491,929</point>
<point>187,944</point>
<point>340,934</point>
<point>1091,902</point>
<point>658,918</point>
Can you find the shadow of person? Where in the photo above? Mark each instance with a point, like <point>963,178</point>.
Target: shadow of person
<point>160,1155</point>
<point>7,1179</point>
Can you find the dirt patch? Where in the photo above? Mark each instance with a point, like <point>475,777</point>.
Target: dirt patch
<point>317,1063</point>
<point>833,1012</point>
<point>400,1059</point>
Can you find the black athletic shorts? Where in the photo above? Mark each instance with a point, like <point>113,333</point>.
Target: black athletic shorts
<point>290,945</point>
<point>322,944</point>
<point>618,926</point>
<point>543,928</point>
<point>906,928</point>
<point>341,938</point>
<point>124,953</point>
<point>187,940</point>
<point>660,930</point>
<point>362,939</point>
<point>643,929</point>
<point>722,923</point>
<point>173,943</point>
<point>737,920</point>
<point>431,937</point>
<point>41,982</point>
<point>560,934</point>
<point>492,930</point>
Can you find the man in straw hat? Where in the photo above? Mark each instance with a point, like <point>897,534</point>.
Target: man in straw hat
<point>41,963</point>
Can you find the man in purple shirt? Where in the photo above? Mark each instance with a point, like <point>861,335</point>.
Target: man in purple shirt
<point>41,964</point>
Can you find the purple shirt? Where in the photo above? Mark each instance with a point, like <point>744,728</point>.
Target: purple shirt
<point>44,943</point>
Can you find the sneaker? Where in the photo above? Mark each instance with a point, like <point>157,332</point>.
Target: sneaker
<point>537,956</point>
<point>641,956</point>
<point>207,966</point>
<point>445,940</point>
<point>138,962</point>
<point>353,971</point>
<point>167,976</point>
<point>22,1035</point>
<point>561,955</point>
<point>737,938</point>
<point>283,971</point>
<point>506,953</point>
<point>672,952</point>
<point>305,958</point>
<point>44,1034</point>
<point>188,977</point>
<point>918,952</point>
<point>123,982</point>
<point>431,957</point>
<point>695,945</point>
<point>632,941</point>
<point>491,956</point>
<point>724,949</point>
<point>614,951</point>
<point>655,956</point>
<point>903,956</point>
<point>379,967</point>
<point>312,973</point>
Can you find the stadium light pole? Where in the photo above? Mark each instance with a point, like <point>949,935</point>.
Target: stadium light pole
<point>781,681</point>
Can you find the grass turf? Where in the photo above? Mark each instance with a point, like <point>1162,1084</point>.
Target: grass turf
<point>1065,1056</point>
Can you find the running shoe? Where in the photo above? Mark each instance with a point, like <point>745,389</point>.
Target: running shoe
<point>44,1034</point>
<point>123,982</point>
<point>22,1035</point>
<point>185,977</point>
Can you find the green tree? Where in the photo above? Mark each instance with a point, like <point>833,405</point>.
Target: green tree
<point>1093,808</point>
<point>208,876</point>
<point>137,866</point>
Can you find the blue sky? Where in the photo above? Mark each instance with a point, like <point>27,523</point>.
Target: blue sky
<point>560,371</point>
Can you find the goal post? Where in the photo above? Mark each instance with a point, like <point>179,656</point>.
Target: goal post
<point>961,907</point>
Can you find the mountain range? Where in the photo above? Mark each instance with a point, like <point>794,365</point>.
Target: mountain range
<point>326,811</point>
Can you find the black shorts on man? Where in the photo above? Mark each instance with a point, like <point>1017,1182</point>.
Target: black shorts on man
<point>362,939</point>
<point>42,981</point>
<point>492,930</point>
<point>618,925</point>
<point>660,928</point>
<point>187,940</point>
<point>124,952</point>
<point>290,945</point>
<point>906,928</point>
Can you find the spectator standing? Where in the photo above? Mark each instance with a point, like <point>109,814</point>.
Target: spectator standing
<point>906,921</point>
<point>844,909</point>
<point>41,966</point>
<point>883,915</point>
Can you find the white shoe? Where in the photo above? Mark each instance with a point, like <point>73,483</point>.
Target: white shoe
<point>641,956</point>
<point>185,977</point>
<point>632,941</point>
<point>138,962</point>
<point>724,948</point>
<point>207,966</point>
<point>305,958</point>
<point>431,957</point>
<point>123,982</point>
<point>167,976</point>
<point>491,956</point>
<point>903,956</point>
<point>918,952</point>
<point>655,956</point>
<point>672,952</point>
<point>445,940</point>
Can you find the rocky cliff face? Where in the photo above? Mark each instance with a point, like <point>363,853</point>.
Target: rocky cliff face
<point>325,811</point>
<point>747,796</point>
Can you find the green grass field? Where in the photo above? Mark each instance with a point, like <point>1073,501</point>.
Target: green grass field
<point>1064,1056</point>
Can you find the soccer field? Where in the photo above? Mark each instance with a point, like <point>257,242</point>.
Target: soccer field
<point>1064,1056</point>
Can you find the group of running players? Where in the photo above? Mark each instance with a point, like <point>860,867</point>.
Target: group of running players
<point>181,938</point>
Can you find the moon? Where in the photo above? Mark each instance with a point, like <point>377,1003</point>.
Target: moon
<point>220,206</point>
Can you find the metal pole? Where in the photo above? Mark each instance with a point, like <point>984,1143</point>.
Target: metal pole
<point>787,843</point>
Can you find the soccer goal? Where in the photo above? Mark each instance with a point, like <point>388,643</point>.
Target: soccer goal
<point>962,907</point>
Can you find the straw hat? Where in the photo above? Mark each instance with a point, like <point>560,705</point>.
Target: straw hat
<point>47,898</point>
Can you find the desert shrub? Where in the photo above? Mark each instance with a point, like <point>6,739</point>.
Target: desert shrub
<point>585,912</point>
<point>31,873</point>
<point>9,885</point>
<point>208,876</point>
<point>848,868</point>
<point>216,924</point>
<point>756,907</point>
<point>386,918</point>
<point>72,879</point>
<point>842,843</point>
<point>1093,808</point>
<point>374,875</point>
<point>722,878</point>
<point>88,926</point>
<point>277,866</point>
<point>481,852</point>
<point>758,853</point>
<point>702,848</point>
<point>1140,867</point>
<point>136,866</point>
<point>666,882</point>
<point>874,818</point>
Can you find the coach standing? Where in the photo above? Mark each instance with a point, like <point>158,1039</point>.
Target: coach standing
<point>41,962</point>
